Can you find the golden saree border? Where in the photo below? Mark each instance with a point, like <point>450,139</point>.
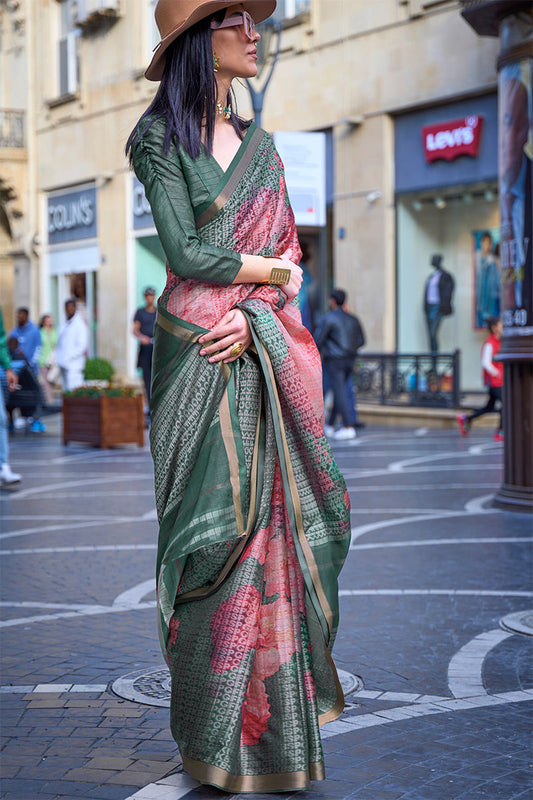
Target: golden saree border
<point>175,329</point>
<point>335,712</point>
<point>282,782</point>
<point>189,335</point>
<point>337,709</point>
<point>233,181</point>
<point>202,592</point>
<point>231,451</point>
<point>306,549</point>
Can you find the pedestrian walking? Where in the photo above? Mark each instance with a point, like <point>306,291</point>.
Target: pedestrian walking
<point>143,330</point>
<point>492,378</point>
<point>71,349</point>
<point>339,337</point>
<point>46,361</point>
<point>254,524</point>
<point>7,476</point>
<point>28,337</point>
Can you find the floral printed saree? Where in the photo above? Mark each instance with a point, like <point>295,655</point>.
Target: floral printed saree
<point>253,511</point>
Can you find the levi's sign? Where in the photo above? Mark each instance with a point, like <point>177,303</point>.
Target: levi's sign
<point>448,140</point>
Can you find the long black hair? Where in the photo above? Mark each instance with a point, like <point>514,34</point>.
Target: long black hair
<point>187,93</point>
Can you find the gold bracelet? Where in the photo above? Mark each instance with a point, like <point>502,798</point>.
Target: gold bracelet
<point>279,276</point>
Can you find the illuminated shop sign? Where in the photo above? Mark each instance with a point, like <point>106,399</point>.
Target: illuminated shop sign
<point>72,216</point>
<point>449,140</point>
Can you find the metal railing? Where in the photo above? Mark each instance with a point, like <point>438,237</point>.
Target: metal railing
<point>408,379</point>
<point>11,128</point>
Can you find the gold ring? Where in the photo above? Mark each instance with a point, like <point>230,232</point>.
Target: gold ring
<point>236,350</point>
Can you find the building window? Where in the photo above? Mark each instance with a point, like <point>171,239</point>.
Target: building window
<point>68,49</point>
<point>152,37</point>
<point>286,9</point>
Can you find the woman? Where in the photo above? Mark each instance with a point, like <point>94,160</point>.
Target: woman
<point>47,368</point>
<point>253,512</point>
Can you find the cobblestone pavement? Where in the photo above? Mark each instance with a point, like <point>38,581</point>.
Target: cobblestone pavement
<point>444,711</point>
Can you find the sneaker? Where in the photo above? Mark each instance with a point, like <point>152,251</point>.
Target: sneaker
<point>463,424</point>
<point>498,436</point>
<point>6,476</point>
<point>329,431</point>
<point>360,425</point>
<point>37,426</point>
<point>19,423</point>
<point>345,433</point>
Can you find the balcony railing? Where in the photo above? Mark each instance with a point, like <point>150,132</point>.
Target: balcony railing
<point>405,379</point>
<point>11,128</point>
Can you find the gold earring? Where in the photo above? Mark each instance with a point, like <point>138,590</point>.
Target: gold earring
<point>216,63</point>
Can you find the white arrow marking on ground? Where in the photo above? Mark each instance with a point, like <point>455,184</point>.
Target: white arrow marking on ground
<point>430,542</point>
<point>172,788</point>
<point>477,505</point>
<point>474,506</point>
<point>89,548</point>
<point>52,487</point>
<point>361,530</point>
<point>399,466</point>
<point>111,548</point>
<point>77,525</point>
<point>436,592</point>
<point>465,669</point>
<point>482,449</point>
<point>130,600</point>
<point>421,431</point>
<point>132,597</point>
<point>87,611</point>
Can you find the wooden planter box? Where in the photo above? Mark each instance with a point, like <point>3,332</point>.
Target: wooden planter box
<point>103,421</point>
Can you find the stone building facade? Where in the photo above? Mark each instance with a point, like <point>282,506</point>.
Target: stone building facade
<point>373,76</point>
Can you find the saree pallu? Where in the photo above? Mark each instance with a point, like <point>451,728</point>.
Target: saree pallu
<point>253,513</point>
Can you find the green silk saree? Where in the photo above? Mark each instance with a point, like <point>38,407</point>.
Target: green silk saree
<point>253,511</point>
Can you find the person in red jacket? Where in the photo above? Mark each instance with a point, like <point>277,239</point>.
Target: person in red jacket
<point>492,378</point>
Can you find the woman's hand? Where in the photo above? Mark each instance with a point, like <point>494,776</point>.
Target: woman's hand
<point>232,329</point>
<point>291,289</point>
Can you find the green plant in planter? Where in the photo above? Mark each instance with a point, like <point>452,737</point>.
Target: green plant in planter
<point>98,369</point>
<point>95,391</point>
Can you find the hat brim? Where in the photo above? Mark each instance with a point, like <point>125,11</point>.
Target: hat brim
<point>258,9</point>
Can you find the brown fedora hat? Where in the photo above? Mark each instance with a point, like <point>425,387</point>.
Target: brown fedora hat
<point>175,16</point>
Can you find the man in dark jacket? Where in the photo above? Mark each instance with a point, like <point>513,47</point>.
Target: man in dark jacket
<point>438,293</point>
<point>339,337</point>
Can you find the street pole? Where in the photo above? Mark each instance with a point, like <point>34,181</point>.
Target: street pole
<point>266,29</point>
<point>512,21</point>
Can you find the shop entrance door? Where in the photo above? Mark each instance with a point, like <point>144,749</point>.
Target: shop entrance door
<point>82,287</point>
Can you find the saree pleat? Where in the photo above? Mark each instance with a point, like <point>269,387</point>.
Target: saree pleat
<point>253,512</point>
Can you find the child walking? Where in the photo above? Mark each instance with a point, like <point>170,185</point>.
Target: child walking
<point>492,378</point>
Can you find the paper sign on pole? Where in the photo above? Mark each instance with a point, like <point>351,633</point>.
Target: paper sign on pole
<point>304,157</point>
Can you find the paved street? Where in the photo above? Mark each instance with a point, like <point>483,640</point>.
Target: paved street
<point>443,711</point>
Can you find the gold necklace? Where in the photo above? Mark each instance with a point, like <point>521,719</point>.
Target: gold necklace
<point>223,111</point>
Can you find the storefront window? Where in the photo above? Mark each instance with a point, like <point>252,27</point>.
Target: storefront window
<point>463,229</point>
<point>448,231</point>
<point>286,9</point>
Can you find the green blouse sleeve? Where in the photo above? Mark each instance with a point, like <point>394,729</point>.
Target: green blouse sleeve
<point>167,192</point>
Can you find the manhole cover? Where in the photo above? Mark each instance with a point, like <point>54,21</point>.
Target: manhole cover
<point>152,688</point>
<point>519,622</point>
<point>350,683</point>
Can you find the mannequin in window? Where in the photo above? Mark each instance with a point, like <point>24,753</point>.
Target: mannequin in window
<point>438,293</point>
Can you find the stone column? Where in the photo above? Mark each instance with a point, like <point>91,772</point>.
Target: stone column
<point>512,21</point>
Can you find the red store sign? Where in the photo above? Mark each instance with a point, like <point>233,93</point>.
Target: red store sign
<point>448,140</point>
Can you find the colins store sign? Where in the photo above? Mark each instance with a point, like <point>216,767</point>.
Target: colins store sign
<point>449,140</point>
<point>72,215</point>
